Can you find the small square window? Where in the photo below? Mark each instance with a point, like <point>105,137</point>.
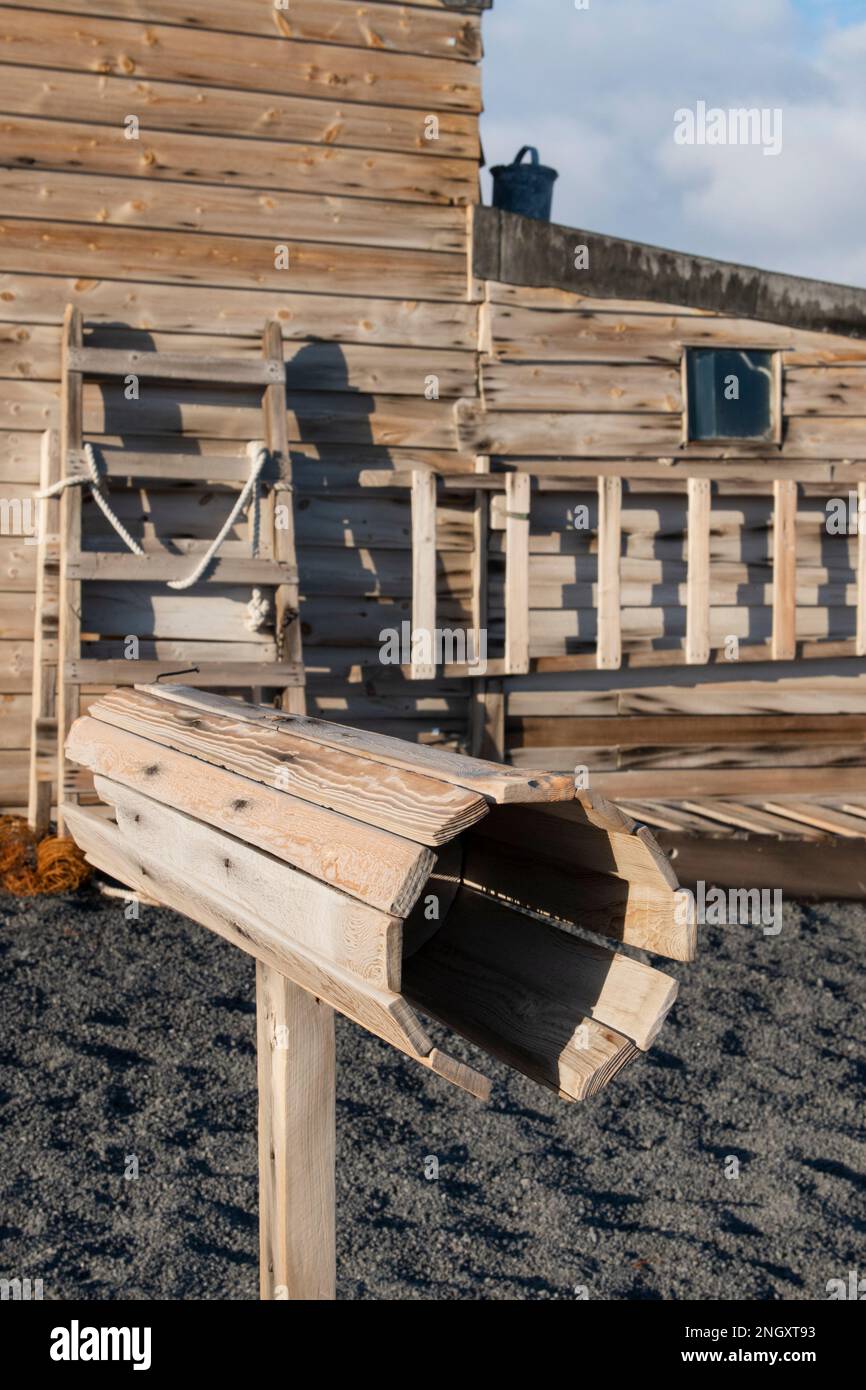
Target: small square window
<point>731,393</point>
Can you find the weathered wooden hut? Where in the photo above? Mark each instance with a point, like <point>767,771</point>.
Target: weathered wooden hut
<point>483,424</point>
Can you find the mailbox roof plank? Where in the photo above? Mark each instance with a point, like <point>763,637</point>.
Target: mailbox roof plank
<point>418,807</point>
<point>493,781</point>
<point>380,1011</point>
<point>381,869</point>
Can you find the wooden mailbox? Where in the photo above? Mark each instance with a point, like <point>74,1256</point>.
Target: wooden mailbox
<point>383,880</point>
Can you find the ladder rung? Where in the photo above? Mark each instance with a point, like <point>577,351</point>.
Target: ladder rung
<point>176,468</point>
<point>159,569</point>
<point>232,674</point>
<point>176,366</point>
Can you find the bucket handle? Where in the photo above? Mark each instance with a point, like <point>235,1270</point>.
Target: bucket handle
<point>527,149</point>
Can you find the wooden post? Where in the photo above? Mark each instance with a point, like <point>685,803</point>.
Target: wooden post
<point>609,649</point>
<point>698,574</point>
<point>424,572</point>
<point>296,1073</point>
<point>69,618</point>
<point>43,710</point>
<point>286,598</point>
<point>784,645</point>
<point>517,503</point>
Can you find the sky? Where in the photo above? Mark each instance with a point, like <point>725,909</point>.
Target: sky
<point>597,89</point>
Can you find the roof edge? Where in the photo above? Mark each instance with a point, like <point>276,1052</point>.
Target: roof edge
<point>522,251</point>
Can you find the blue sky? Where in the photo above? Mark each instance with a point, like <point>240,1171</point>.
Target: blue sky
<point>596,90</point>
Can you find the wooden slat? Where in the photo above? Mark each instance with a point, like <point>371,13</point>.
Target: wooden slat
<point>293,908</point>
<point>430,32</point>
<point>202,110</point>
<point>478,975</point>
<point>784,571</point>
<point>517,504</point>
<point>43,718</point>
<point>609,643</point>
<point>106,199</point>
<point>174,366</point>
<point>698,582</point>
<point>165,53</point>
<point>420,808</point>
<point>330,318</point>
<point>378,868</point>
<point>497,784</point>
<point>424,573</point>
<point>297,1139</point>
<point>758,820</point>
<point>685,784</point>
<point>569,386</point>
<point>280,513</point>
<point>380,1011</point>
<point>178,258</point>
<point>658,919</point>
<point>143,569</point>
<point>230,674</point>
<point>70,595</point>
<point>812,815</point>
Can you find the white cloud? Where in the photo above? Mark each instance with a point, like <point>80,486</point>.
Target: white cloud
<point>596,90</point>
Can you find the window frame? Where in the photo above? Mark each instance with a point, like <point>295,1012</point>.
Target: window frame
<point>774,438</point>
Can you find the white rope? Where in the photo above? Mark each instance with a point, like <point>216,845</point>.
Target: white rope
<point>258,612</point>
<point>94,482</point>
<point>250,487</point>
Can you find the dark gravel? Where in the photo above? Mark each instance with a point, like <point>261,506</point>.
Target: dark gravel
<point>137,1038</point>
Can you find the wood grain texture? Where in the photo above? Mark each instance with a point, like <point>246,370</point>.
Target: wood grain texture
<point>176,257</point>
<point>43,717</point>
<point>378,868</point>
<point>418,807</point>
<point>529,1006</point>
<point>784,571</point>
<point>698,582</point>
<point>268,166</point>
<point>381,1012</point>
<point>517,504</point>
<point>201,110</point>
<point>432,32</point>
<point>166,53</point>
<point>293,909</point>
<point>424,574</point>
<point>297,1140</point>
<point>496,783</point>
<point>609,644</point>
<point>139,305</point>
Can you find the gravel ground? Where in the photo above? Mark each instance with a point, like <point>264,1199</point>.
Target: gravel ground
<point>137,1038</point>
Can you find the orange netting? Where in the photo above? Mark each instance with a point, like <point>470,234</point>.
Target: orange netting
<point>29,867</point>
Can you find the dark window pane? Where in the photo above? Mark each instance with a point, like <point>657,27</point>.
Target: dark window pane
<point>730,393</point>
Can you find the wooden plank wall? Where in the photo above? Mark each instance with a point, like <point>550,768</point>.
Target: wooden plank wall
<point>580,393</point>
<point>253,128</point>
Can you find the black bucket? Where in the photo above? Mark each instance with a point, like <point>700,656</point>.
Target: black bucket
<point>524,188</point>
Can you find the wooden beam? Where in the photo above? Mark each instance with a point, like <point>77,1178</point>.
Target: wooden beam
<point>297,1139</point>
<point>609,648</point>
<point>784,644</point>
<point>175,366</point>
<point>69,633</point>
<point>424,573</point>
<point>517,505</point>
<point>279,515</point>
<point>698,575</point>
<point>43,709</point>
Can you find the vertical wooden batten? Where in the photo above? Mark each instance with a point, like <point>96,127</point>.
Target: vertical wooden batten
<point>698,574</point>
<point>784,643</point>
<point>609,652</point>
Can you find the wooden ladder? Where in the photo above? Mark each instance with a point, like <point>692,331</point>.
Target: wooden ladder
<point>277,570</point>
